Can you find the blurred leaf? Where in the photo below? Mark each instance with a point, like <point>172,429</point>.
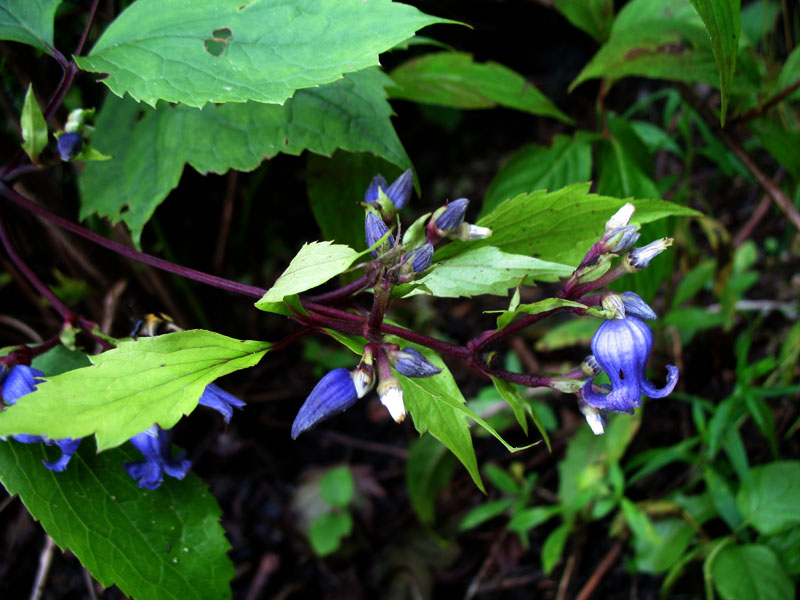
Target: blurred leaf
<point>502,480</point>
<point>535,308</point>
<point>779,142</point>
<point>29,22</point>
<point>691,320</point>
<point>337,486</point>
<point>34,128</point>
<point>764,420</point>
<point>790,73</point>
<point>313,265</point>
<point>553,547</point>
<point>60,360</point>
<point>568,160</point>
<point>485,512</point>
<point>512,394</point>
<point>750,571</point>
<point>526,519</point>
<point>592,16</point>
<point>674,536</point>
<point>769,500</point>
<point>695,280</point>
<point>328,530</point>
<point>651,460</point>
<point>486,270</point>
<point>655,138</point>
<point>160,544</point>
<point>128,389</point>
<point>150,147</point>
<point>558,226</point>
<point>758,20</point>
<point>573,332</point>
<point>723,498</point>
<point>198,52</point>
<point>455,80</point>
<point>723,23</point>
<point>429,469</point>
<point>624,164</point>
<point>639,523</point>
<point>787,546</point>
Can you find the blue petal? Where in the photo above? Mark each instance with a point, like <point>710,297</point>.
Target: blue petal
<point>400,190</point>
<point>453,215</point>
<point>21,381</point>
<point>377,183</point>
<point>68,447</point>
<point>652,391</point>
<point>220,400</point>
<point>375,229</point>
<point>156,446</point>
<point>333,394</point>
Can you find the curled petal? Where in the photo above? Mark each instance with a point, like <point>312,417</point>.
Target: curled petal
<point>156,446</point>
<point>220,400</point>
<point>68,447</point>
<point>333,394</point>
<point>20,381</point>
<point>652,391</point>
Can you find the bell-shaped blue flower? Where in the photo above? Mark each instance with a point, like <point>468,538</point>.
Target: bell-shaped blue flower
<point>22,380</point>
<point>398,192</point>
<point>333,394</point>
<point>156,446</point>
<point>220,400</point>
<point>378,183</point>
<point>622,347</point>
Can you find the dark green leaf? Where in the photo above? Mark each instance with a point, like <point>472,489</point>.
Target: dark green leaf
<point>29,22</point>
<point>429,469</point>
<point>485,512</point>
<point>234,51</point>
<point>455,80</point>
<point>553,547</point>
<point>750,571</point>
<point>34,128</point>
<point>337,486</point>
<point>592,16</point>
<point>512,394</point>
<point>327,531</point>
<point>159,544</point>
<point>502,479</point>
<point>568,160</point>
<point>769,500</point>
<point>674,536</point>
<point>723,499</point>
<point>779,142</point>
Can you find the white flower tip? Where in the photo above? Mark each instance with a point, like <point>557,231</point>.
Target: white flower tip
<point>596,423</point>
<point>392,399</point>
<point>621,218</point>
<point>479,233</point>
<point>363,382</point>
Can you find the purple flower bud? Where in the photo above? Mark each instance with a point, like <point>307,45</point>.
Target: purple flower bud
<point>420,258</point>
<point>69,145</point>
<point>411,363</point>
<point>220,400</point>
<point>636,307</point>
<point>400,190</point>
<point>333,394</point>
<point>639,258</point>
<point>622,347</point>
<point>20,381</point>
<point>453,215</point>
<point>621,239</point>
<point>377,183</point>
<point>156,446</point>
<point>375,229</point>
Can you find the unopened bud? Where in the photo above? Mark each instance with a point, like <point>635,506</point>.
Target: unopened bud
<point>411,363</point>
<point>69,145</point>
<point>614,304</point>
<point>452,216</point>
<point>636,307</point>
<point>375,229</point>
<point>621,218</point>
<point>400,190</point>
<point>377,183</point>
<point>420,258</point>
<point>391,396</point>
<point>621,239</point>
<point>468,232</point>
<point>364,374</point>
<point>639,258</point>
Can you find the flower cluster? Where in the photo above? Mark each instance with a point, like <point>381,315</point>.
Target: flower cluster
<point>154,443</point>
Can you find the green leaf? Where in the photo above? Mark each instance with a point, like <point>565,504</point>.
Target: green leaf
<point>592,16</point>
<point>568,160</point>
<point>337,486</point>
<point>234,51</point>
<point>750,571</point>
<point>573,332</point>
<point>673,537</point>
<point>526,519</point>
<point>662,39</point>
<point>790,73</point>
<point>429,469</point>
<point>485,512</point>
<point>553,547</point>
<point>512,394</point>
<point>558,226</point>
<point>624,163</point>
<point>328,530</point>
<point>486,270</point>
<point>150,147</point>
<point>723,498</point>
<point>29,22</point>
<point>159,544</point>
<point>534,308</point>
<point>454,79</point>
<point>313,265</point>
<point>723,22</point>
<point>129,388</point>
<point>769,500</point>
<point>59,360</point>
<point>34,128</point>
<point>639,523</point>
<point>779,142</point>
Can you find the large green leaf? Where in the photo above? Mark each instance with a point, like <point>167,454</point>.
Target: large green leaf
<point>313,265</point>
<point>592,16</point>
<point>234,50</point>
<point>34,128</point>
<point>150,147</point>
<point>724,23</point>
<point>568,160</point>
<point>486,270</point>
<point>454,79</point>
<point>166,543</point>
<point>624,163</point>
<point>429,469</point>
<point>127,389</point>
<point>558,226</point>
<point>769,499</point>
<point>750,571</point>
<point>29,22</point>
<point>661,39</point>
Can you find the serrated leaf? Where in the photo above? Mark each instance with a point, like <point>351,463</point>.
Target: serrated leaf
<point>150,147</point>
<point>724,23</point>
<point>429,469</point>
<point>769,498</point>
<point>486,270</point>
<point>165,543</point>
<point>534,308</point>
<point>750,571</point>
<point>592,16</point>
<point>29,22</point>
<point>568,160</point>
<point>662,39</point>
<point>234,51</point>
<point>558,226</point>
<point>34,127</point>
<point>313,265</point>
<point>454,79</point>
<point>129,388</point>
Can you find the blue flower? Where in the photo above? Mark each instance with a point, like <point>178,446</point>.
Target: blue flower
<point>333,394</point>
<point>22,380</point>
<point>420,258</point>
<point>622,347</point>
<point>156,446</point>
<point>399,192</point>
<point>69,145</point>
<point>220,400</point>
<point>377,183</point>
<point>453,215</point>
<point>375,229</point>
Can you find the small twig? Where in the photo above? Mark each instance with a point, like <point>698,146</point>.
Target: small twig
<point>602,569</point>
<point>474,585</point>
<point>268,564</point>
<point>24,328</point>
<point>760,110</point>
<point>747,229</point>
<point>225,220</point>
<point>346,440</point>
<point>45,558</point>
<point>86,27</point>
